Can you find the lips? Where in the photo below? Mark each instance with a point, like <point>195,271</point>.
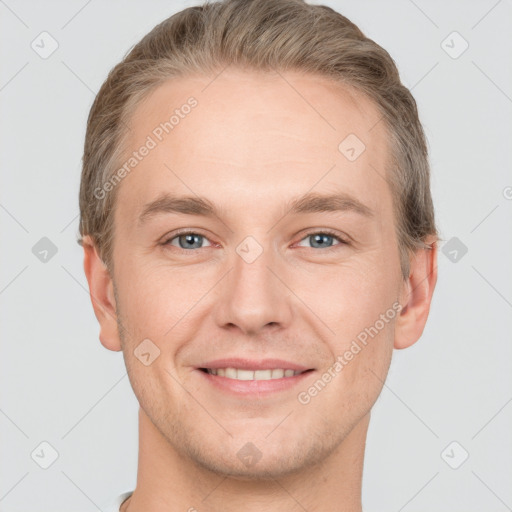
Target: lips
<point>253,378</point>
<point>253,365</point>
<point>242,374</point>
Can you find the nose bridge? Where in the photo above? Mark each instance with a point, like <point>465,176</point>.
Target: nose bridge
<point>253,297</point>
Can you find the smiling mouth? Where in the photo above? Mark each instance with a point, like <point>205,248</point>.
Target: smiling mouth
<point>243,374</point>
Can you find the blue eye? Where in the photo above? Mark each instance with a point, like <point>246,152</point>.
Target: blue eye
<point>188,241</point>
<point>323,240</point>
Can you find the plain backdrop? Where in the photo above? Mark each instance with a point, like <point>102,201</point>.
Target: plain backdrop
<point>446,399</point>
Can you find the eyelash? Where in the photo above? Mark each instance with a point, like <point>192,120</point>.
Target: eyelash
<point>306,235</point>
<point>330,233</point>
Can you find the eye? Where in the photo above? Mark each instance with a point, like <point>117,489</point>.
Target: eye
<point>187,240</point>
<point>323,240</point>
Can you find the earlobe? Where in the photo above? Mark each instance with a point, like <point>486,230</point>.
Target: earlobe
<point>101,291</point>
<point>417,296</point>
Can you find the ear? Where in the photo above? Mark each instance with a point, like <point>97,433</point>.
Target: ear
<point>416,296</point>
<point>101,291</point>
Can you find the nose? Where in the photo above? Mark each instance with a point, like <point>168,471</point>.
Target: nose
<point>253,297</point>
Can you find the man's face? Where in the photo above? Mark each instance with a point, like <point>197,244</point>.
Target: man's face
<point>301,288</point>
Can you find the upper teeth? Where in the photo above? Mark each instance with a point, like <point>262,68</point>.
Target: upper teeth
<point>239,374</point>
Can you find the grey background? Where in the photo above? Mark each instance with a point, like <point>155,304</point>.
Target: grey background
<point>59,385</point>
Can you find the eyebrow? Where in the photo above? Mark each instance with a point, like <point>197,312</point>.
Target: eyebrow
<point>307,203</point>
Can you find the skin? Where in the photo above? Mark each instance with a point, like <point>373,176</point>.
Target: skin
<point>252,144</point>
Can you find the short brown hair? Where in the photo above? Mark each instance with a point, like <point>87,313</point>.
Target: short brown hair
<point>261,35</point>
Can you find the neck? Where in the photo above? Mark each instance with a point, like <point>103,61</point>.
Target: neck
<point>167,482</point>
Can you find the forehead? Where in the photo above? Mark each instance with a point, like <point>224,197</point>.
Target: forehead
<point>256,135</point>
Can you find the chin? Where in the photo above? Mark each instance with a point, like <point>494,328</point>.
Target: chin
<point>259,460</point>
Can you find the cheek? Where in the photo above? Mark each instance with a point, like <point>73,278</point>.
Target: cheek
<point>145,299</point>
<point>350,298</point>
<point>359,307</point>
<point>157,299</point>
